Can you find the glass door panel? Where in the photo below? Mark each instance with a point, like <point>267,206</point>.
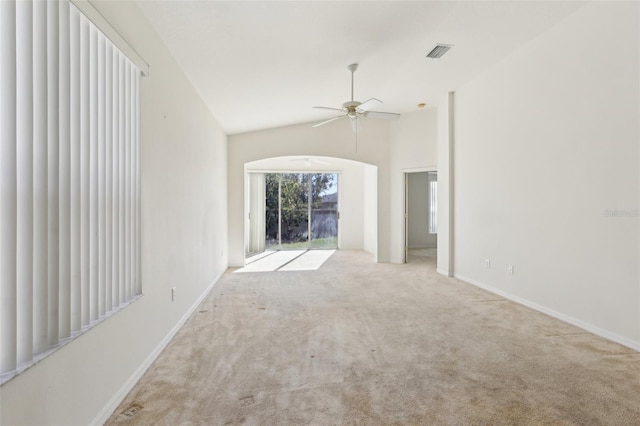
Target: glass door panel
<point>272,211</point>
<point>294,211</point>
<point>324,210</point>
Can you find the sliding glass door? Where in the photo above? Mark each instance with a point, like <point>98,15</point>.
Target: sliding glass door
<point>301,210</point>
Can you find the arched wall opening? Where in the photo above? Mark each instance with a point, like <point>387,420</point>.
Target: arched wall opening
<point>301,140</point>
<point>357,187</point>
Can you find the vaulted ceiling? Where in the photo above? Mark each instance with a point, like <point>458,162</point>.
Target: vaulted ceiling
<point>264,64</point>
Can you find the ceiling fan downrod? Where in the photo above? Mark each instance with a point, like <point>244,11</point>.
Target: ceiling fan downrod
<point>352,68</point>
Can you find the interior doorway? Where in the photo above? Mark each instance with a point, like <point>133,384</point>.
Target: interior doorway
<point>421,216</point>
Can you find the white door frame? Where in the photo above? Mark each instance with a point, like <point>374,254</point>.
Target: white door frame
<point>405,204</point>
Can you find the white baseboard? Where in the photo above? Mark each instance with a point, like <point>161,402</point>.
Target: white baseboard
<point>558,315</point>
<point>119,396</point>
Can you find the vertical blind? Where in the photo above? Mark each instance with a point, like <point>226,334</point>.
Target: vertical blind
<point>257,210</point>
<point>69,178</point>
<point>433,202</point>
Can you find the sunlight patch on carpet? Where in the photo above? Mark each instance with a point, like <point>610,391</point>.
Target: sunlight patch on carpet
<point>288,260</point>
<point>310,261</point>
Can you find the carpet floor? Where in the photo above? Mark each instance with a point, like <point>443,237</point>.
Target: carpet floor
<point>357,342</point>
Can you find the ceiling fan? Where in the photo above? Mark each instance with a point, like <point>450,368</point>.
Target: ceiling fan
<point>355,110</point>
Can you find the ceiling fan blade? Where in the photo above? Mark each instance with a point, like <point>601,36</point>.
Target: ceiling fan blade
<point>380,114</point>
<point>328,121</point>
<point>368,104</point>
<point>329,108</point>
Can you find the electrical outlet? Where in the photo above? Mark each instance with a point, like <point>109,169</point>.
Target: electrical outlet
<point>488,263</point>
<point>173,294</point>
<point>510,269</point>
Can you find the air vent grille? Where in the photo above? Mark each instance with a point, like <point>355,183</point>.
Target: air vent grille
<point>438,51</point>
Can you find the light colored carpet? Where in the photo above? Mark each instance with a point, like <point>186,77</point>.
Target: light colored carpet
<point>363,343</point>
<point>422,255</point>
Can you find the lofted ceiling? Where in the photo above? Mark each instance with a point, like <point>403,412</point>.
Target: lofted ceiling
<point>265,64</point>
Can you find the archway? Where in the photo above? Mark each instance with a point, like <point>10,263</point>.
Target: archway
<point>356,203</point>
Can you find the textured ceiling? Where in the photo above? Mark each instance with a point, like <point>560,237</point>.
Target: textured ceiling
<point>265,64</point>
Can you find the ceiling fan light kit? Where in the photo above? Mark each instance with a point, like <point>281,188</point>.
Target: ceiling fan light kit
<point>354,109</point>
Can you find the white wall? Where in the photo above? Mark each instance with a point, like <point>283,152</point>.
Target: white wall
<point>370,213</point>
<point>184,241</point>
<point>332,140</point>
<point>414,147</point>
<point>445,184</point>
<point>546,147</point>
<point>351,206</point>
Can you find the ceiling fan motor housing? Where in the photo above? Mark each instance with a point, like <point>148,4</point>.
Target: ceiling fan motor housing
<point>351,106</point>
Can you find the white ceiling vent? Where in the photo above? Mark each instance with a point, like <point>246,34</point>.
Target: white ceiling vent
<point>438,51</point>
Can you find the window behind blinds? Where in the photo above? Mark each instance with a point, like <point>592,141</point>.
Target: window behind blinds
<point>69,179</point>
<point>433,202</point>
